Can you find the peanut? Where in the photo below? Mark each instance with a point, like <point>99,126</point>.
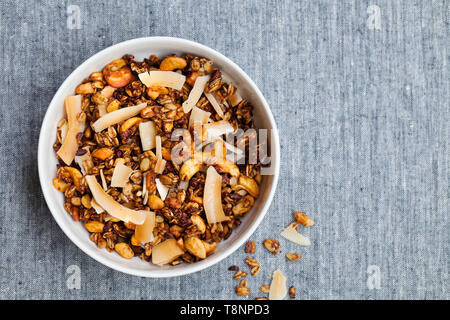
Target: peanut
<point>124,250</point>
<point>86,201</point>
<point>76,201</point>
<point>155,202</point>
<point>103,153</point>
<point>113,106</point>
<point>59,185</point>
<point>96,76</point>
<point>85,88</point>
<point>128,124</point>
<point>94,226</point>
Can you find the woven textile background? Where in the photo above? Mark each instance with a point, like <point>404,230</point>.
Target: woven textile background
<point>362,107</point>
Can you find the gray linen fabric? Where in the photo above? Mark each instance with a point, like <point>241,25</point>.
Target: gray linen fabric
<point>362,110</point>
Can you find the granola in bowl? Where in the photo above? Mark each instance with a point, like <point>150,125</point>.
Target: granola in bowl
<point>156,158</point>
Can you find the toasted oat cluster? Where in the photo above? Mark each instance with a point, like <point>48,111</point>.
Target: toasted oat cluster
<point>145,161</point>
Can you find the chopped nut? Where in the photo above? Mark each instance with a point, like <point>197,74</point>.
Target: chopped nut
<point>303,219</point>
<point>272,245</point>
<point>240,274</point>
<point>250,247</point>
<point>293,256</point>
<point>292,292</point>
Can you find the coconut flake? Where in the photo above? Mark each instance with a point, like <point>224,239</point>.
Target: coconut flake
<point>102,110</point>
<point>214,103</point>
<point>64,129</point>
<point>107,91</point>
<point>103,179</point>
<point>217,129</point>
<point>111,206</point>
<point>162,189</point>
<point>144,183</point>
<point>292,235</point>
<point>166,252</point>
<point>69,147</point>
<point>144,231</point>
<point>117,116</point>
<point>158,147</point>
<point>120,175</point>
<point>145,200</point>
<point>235,99</point>
<point>85,161</point>
<point>235,153</point>
<point>278,289</point>
<point>198,116</point>
<point>195,93</point>
<point>96,206</point>
<point>212,197</point>
<point>168,79</point>
<point>147,132</point>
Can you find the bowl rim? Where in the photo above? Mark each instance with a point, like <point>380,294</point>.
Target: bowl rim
<point>195,267</point>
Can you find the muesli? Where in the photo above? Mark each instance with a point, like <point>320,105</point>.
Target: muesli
<point>145,159</point>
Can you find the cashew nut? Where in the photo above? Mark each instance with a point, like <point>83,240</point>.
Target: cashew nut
<point>172,63</point>
<point>189,168</point>
<point>249,184</point>
<point>117,74</point>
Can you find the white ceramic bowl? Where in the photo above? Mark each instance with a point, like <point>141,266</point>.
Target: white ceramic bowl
<point>142,48</point>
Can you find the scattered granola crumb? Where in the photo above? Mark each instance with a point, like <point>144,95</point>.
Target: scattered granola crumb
<point>251,262</point>
<point>303,219</point>
<point>240,274</point>
<point>250,247</point>
<point>233,268</point>
<point>261,298</point>
<point>293,256</point>
<point>272,245</point>
<point>241,289</point>
<point>264,288</point>
<point>292,292</point>
<point>255,270</point>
